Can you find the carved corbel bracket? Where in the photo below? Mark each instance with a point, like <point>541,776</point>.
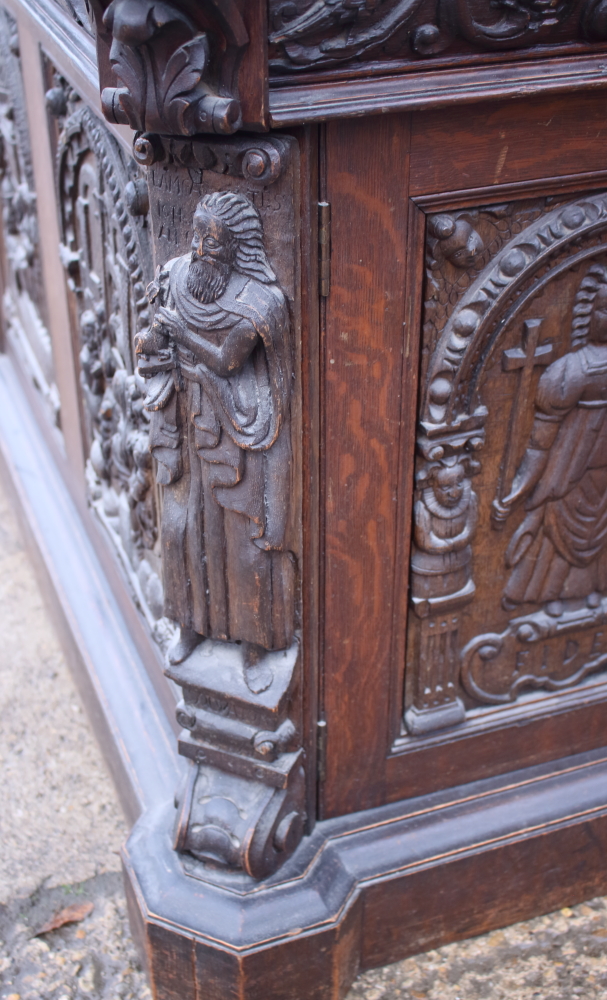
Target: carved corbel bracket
<point>259,163</point>
<point>242,805</point>
<point>176,64</point>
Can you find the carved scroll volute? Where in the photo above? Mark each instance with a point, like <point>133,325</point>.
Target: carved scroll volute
<point>174,65</point>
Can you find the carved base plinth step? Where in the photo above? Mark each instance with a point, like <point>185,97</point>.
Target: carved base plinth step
<point>242,806</point>
<point>213,680</point>
<point>426,720</point>
<point>370,888</point>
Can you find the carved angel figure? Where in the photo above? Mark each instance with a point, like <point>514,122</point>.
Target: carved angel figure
<point>559,551</point>
<point>218,356</point>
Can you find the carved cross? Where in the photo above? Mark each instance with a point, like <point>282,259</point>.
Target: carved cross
<point>522,359</point>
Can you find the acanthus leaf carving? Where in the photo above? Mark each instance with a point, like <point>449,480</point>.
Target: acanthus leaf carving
<point>166,67</point>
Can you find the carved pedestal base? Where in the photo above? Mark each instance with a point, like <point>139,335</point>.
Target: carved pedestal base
<point>425,720</point>
<point>242,806</point>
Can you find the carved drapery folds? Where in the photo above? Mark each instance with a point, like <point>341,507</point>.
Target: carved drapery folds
<point>220,358</point>
<point>23,304</point>
<point>520,345</point>
<point>328,32</point>
<point>176,65</point>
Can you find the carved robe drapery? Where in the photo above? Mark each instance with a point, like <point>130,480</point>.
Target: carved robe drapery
<point>223,450</point>
<point>560,549</point>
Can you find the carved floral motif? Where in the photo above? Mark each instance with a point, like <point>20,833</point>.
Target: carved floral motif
<point>107,256</point>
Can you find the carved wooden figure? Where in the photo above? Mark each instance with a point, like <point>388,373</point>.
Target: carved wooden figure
<point>321,505</point>
<point>220,355</point>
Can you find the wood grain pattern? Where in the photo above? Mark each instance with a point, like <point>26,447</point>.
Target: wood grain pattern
<point>507,143</point>
<point>363,358</point>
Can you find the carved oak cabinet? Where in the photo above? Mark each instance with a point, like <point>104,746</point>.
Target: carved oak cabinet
<point>304,407</point>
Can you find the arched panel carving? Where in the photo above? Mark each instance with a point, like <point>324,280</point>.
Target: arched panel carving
<point>106,252</point>
<point>508,581</point>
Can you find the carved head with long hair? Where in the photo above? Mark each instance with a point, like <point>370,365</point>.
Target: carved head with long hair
<point>228,236</point>
<point>585,304</point>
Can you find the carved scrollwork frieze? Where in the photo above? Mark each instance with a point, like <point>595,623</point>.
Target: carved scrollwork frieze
<point>515,394</point>
<point>319,33</point>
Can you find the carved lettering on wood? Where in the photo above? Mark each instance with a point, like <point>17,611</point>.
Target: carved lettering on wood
<point>221,358</point>
<point>311,33</point>
<point>23,305</point>
<point>176,65</point>
<point>516,373</point>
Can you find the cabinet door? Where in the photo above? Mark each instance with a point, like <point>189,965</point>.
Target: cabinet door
<point>465,446</point>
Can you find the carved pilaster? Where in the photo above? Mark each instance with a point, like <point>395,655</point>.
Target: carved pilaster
<point>220,362</point>
<point>442,581</point>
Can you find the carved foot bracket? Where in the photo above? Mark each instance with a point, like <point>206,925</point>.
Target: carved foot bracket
<point>242,805</point>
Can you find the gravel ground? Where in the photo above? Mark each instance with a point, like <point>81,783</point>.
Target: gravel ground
<point>61,829</point>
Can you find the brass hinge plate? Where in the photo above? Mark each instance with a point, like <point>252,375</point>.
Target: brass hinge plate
<point>321,749</point>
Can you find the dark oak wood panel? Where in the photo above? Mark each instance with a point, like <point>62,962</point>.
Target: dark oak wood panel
<point>363,358</point>
<point>333,415</point>
<point>507,143</point>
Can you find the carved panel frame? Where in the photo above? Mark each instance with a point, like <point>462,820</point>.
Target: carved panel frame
<point>485,732</point>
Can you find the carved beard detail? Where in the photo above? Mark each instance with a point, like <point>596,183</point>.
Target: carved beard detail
<point>207,278</point>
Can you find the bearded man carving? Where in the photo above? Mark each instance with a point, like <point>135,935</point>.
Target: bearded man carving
<point>218,359</point>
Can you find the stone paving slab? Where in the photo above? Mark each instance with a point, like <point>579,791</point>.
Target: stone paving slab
<point>61,830</point>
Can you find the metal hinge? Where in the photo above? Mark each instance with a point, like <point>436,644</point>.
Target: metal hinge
<point>321,749</point>
<point>324,243</point>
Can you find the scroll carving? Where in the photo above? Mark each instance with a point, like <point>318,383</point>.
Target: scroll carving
<point>174,76</point>
<point>219,361</point>
<point>327,32</point>
<point>23,304</point>
<point>531,327</point>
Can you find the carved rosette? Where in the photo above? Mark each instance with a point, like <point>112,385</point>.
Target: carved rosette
<point>520,347</point>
